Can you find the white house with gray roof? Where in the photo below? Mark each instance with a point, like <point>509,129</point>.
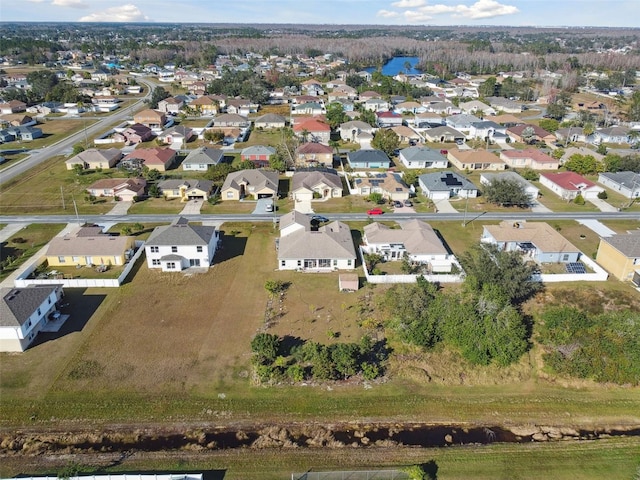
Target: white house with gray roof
<point>422,157</point>
<point>200,159</point>
<point>444,185</point>
<point>301,247</point>
<point>174,247</point>
<point>415,240</point>
<point>625,183</point>
<point>24,312</point>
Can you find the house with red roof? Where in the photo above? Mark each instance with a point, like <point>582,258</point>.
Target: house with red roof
<point>526,133</point>
<point>567,185</point>
<point>531,158</point>
<point>161,159</point>
<point>313,130</point>
<point>314,154</point>
<point>388,119</point>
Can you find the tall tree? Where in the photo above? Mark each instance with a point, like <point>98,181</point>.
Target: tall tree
<point>507,192</point>
<point>386,140</point>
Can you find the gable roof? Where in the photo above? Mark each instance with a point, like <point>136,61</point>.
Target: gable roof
<point>152,155</point>
<point>313,178</point>
<point>387,181</point>
<point>270,118</point>
<point>109,183</point>
<point>295,217</point>
<point>18,304</point>
<point>189,183</point>
<point>422,154</point>
<point>330,241</point>
<point>537,131</point>
<point>313,148</point>
<point>628,244</point>
<point>256,177</point>
<point>97,245</point>
<point>258,150</point>
<point>204,155</point>
<point>541,234</point>
<point>627,178</point>
<point>417,237</point>
<point>179,232</point>
<point>568,180</point>
<point>530,153</point>
<point>364,156</point>
<point>474,156</point>
<point>96,155</point>
<point>312,126</point>
<point>445,181</point>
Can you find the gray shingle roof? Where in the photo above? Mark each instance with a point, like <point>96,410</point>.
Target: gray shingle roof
<point>364,156</point>
<point>331,241</point>
<point>181,233</point>
<point>314,178</point>
<point>417,237</point>
<point>422,154</point>
<point>18,304</point>
<point>629,179</point>
<point>204,155</point>
<point>175,183</point>
<point>258,178</point>
<point>628,244</point>
<point>435,182</point>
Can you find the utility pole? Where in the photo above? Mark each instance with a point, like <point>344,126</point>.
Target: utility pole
<point>75,207</point>
<point>62,196</point>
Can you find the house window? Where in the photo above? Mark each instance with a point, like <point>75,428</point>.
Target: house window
<point>154,249</point>
<point>171,265</point>
<point>283,263</point>
<point>75,259</point>
<point>299,263</point>
<point>349,262</point>
<point>565,257</point>
<point>39,311</point>
<point>155,262</point>
<point>199,249</point>
<point>324,263</point>
<point>229,194</point>
<point>174,249</point>
<point>335,262</point>
<point>61,259</point>
<point>29,324</point>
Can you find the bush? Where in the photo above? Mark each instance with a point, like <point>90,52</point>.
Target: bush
<point>603,195</point>
<point>19,240</point>
<point>579,200</point>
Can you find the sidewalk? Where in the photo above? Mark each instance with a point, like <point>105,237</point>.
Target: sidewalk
<point>10,230</point>
<point>9,281</point>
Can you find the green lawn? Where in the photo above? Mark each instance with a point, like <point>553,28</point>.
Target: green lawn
<point>24,244</point>
<point>550,200</point>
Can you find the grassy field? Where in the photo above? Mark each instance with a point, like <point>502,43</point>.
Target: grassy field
<point>100,368</point>
<point>55,130</point>
<point>30,239</point>
<point>41,191</point>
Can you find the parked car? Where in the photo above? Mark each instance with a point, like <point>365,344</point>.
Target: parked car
<point>397,204</point>
<point>459,142</point>
<point>375,211</point>
<point>408,203</point>
<point>319,219</point>
<point>444,152</point>
<point>269,207</point>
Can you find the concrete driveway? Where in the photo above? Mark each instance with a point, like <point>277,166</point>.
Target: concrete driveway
<point>444,206</point>
<point>598,227</point>
<point>602,205</point>
<point>539,208</point>
<point>192,207</point>
<point>120,208</point>
<point>303,206</point>
<point>261,206</point>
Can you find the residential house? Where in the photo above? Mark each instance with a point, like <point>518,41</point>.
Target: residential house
<point>240,106</point>
<point>17,119</point>
<point>584,151</point>
<point>88,247</point>
<point>475,160</point>
<point>349,131</point>
<point>186,189</point>
<point>625,183</point>
<point>200,159</point>
<point>415,240</point>
<point>422,157</point>
<point>410,107</point>
<point>476,107</point>
<point>94,158</point>
<point>308,108</point>
<point>177,135</point>
<point>529,158</point>
<point>161,159</point>
<point>171,105</point>
<point>528,133</point>
<point>205,105</point>
<point>175,247</point>
<point>313,130</point>
<point>444,185</point>
<point>537,241</point>
<point>255,183</point>
<point>322,184</point>
<point>376,105</point>
<point>368,159</point>
<point>531,190</point>
<point>443,134</point>
<point>505,105</point>
<point>388,119</point>
<point>150,118</point>
<point>302,248</point>
<point>24,312</point>
<point>269,121</point>
<point>368,95</point>
<point>134,134</point>
<point>13,106</point>
<point>488,129</point>
<point>258,154</point>
<point>313,154</point>
<point>462,122</point>
<point>620,256</point>
<point>444,108</point>
<point>389,185</point>
<point>507,120</point>
<point>231,120</point>
<point>615,134</point>
<point>407,134</point>
<point>426,120</point>
<point>24,133</point>
<point>571,134</point>
<point>125,189</point>
<point>567,185</point>
<point>105,103</point>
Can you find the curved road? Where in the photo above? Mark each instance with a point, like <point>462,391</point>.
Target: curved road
<point>57,148</point>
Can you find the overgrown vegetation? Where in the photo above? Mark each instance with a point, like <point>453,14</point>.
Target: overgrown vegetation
<point>602,347</point>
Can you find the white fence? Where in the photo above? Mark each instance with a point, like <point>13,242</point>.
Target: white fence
<point>390,279</point>
<point>599,275</point>
<point>23,280</point>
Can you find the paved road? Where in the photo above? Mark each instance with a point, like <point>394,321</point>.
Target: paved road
<point>331,216</point>
<point>39,156</point>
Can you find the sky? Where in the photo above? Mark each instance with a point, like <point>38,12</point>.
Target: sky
<point>601,13</point>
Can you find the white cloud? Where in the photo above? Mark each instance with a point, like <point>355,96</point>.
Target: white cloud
<point>123,13</point>
<point>387,14</point>
<point>485,9</point>
<point>409,3</point>
<point>415,16</point>
<point>70,3</point>
<point>36,1</point>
